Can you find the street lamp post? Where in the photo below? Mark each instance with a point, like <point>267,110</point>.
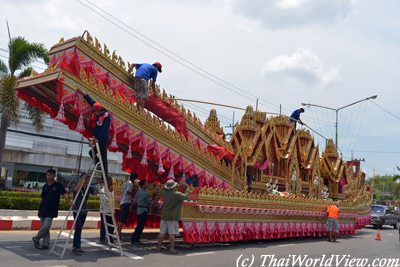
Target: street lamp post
<point>337,112</point>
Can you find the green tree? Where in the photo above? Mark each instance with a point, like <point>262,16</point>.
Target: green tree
<point>21,54</point>
<point>387,184</point>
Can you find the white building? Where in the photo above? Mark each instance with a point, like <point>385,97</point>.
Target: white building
<point>29,154</point>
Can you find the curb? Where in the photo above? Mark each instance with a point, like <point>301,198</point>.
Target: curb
<point>28,220</point>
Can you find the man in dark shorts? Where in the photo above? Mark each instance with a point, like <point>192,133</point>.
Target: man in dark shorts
<point>145,72</point>
<point>48,208</point>
<point>143,208</point>
<point>126,201</point>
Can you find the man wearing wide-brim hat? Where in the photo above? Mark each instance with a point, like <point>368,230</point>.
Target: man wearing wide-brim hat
<point>171,212</point>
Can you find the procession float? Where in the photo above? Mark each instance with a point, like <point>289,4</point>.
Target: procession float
<point>269,181</point>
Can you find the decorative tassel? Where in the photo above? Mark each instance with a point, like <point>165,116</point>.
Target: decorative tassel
<point>143,162</point>
<point>76,106</point>
<point>171,173</point>
<point>129,154</point>
<point>160,167</point>
<point>61,114</point>
<point>183,178</point>
<point>80,127</point>
<point>114,144</point>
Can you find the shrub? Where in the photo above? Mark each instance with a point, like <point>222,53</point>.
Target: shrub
<point>25,203</point>
<point>20,194</point>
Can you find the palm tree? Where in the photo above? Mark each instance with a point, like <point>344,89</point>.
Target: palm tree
<point>21,54</point>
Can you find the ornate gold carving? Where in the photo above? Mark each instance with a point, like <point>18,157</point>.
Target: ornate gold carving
<point>212,123</point>
<point>89,38</point>
<point>97,44</point>
<point>106,51</point>
<point>114,57</point>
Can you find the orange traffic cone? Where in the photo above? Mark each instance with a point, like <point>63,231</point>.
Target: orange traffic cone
<point>378,235</point>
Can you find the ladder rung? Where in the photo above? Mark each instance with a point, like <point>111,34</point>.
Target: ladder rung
<point>109,215</point>
<point>55,252</point>
<point>112,235</point>
<point>113,245</point>
<point>109,224</point>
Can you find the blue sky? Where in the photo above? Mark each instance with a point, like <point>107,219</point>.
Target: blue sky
<point>285,52</point>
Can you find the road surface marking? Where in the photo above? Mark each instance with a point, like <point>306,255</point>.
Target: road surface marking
<point>94,244</point>
<point>286,245</point>
<point>201,253</point>
<point>389,234</point>
<point>13,246</point>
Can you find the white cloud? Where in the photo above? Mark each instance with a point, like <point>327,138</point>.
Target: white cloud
<point>303,67</point>
<point>293,13</point>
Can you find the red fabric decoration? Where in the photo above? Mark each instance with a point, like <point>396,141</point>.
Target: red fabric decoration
<point>88,67</point>
<point>166,112</point>
<point>60,88</point>
<point>262,167</point>
<point>205,233</point>
<point>220,152</point>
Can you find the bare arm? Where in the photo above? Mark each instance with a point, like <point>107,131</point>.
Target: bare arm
<point>79,184</point>
<point>67,199</point>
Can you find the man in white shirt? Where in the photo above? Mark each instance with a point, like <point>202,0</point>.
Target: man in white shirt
<point>126,201</point>
<point>105,207</point>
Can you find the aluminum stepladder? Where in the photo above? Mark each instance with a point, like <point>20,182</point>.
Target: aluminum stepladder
<point>107,208</point>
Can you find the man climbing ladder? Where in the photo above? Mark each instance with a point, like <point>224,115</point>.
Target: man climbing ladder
<point>107,209</point>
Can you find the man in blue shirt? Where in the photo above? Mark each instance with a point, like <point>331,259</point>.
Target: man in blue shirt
<point>295,117</point>
<point>145,72</point>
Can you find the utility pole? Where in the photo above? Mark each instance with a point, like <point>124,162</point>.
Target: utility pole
<point>233,122</point>
<point>257,105</point>
<point>337,113</point>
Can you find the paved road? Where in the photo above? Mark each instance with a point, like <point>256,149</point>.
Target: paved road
<point>16,249</point>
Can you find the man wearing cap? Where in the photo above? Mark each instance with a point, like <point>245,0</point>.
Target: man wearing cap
<point>295,117</point>
<point>101,129</point>
<point>145,72</point>
<point>171,212</point>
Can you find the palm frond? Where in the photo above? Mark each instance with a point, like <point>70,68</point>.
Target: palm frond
<point>3,68</point>
<point>23,53</point>
<point>8,100</point>
<point>26,72</point>
<point>36,116</point>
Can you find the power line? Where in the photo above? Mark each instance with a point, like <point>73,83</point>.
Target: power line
<point>200,71</point>
<point>387,111</point>
<point>374,151</point>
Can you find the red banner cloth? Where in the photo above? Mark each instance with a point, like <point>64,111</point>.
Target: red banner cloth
<point>221,152</point>
<point>168,113</point>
